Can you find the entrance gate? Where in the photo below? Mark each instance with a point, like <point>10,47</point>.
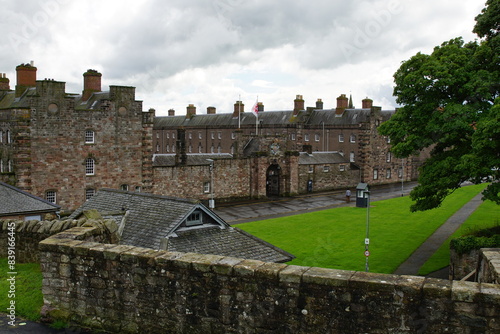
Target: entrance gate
<point>273,181</point>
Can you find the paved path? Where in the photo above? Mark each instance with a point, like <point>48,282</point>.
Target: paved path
<point>271,208</point>
<point>432,244</point>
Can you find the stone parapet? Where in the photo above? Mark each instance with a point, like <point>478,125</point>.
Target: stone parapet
<point>129,289</point>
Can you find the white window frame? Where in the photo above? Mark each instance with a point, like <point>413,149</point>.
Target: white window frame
<point>388,173</point>
<point>352,138</point>
<point>124,187</point>
<point>292,136</point>
<point>206,187</point>
<point>326,168</point>
<point>311,169</point>
<point>194,219</point>
<point>316,137</point>
<point>90,166</point>
<point>89,137</point>
<point>342,168</point>
<point>341,138</point>
<point>51,196</point>
<point>375,174</point>
<point>389,157</point>
<point>351,156</point>
<point>306,137</point>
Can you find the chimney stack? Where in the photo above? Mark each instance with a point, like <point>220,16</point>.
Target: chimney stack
<point>342,103</point>
<point>171,112</point>
<point>210,110</point>
<point>298,104</point>
<point>4,82</point>
<point>190,111</point>
<point>239,107</point>
<point>91,83</point>
<point>260,107</point>
<point>367,103</point>
<point>26,77</point>
<point>319,104</point>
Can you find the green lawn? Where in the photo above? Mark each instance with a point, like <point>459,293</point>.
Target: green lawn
<point>334,238</point>
<point>487,215</point>
<point>28,294</point>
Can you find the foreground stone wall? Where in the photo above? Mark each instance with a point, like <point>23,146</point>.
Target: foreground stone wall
<point>28,235</point>
<point>128,289</point>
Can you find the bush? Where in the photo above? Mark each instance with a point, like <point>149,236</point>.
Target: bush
<point>466,244</point>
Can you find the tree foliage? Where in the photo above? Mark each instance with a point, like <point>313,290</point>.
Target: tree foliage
<point>451,106</point>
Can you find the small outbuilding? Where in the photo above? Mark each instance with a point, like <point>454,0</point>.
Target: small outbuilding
<point>177,225</point>
<point>362,195</point>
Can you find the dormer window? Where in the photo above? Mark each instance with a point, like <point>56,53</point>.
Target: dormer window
<point>194,219</point>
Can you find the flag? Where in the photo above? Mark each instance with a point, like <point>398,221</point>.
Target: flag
<point>255,109</point>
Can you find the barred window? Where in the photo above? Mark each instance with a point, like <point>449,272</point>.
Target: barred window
<point>89,166</point>
<point>89,193</point>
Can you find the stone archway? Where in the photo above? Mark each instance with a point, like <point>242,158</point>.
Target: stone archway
<point>273,180</point>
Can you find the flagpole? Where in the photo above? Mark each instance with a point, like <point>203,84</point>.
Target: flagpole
<point>257,117</point>
<point>239,111</point>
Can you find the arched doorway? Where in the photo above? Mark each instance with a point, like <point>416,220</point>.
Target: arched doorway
<point>273,180</point>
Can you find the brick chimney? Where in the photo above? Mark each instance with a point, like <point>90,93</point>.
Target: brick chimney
<point>190,111</point>
<point>342,103</point>
<point>260,106</point>
<point>4,82</point>
<point>91,83</point>
<point>211,110</point>
<point>239,107</point>
<point>298,104</point>
<point>319,104</point>
<point>367,103</point>
<point>171,112</point>
<point>26,77</point>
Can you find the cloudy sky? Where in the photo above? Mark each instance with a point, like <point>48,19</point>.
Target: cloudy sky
<point>210,53</point>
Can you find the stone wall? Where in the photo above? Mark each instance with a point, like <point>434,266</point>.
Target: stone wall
<point>463,264</point>
<point>489,266</point>
<point>28,235</point>
<point>128,289</point>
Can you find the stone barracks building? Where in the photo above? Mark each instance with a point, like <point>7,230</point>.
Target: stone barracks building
<point>63,147</point>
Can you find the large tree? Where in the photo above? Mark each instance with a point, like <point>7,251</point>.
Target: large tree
<point>451,105</point>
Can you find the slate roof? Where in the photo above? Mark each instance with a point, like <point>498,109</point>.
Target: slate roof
<point>14,201</point>
<point>227,242</point>
<point>320,158</point>
<point>315,117</point>
<point>153,218</point>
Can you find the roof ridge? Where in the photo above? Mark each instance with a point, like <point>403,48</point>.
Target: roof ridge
<point>134,193</point>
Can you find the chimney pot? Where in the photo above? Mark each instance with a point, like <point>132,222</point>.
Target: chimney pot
<point>239,107</point>
<point>319,104</point>
<point>4,82</point>
<point>190,110</point>
<point>26,77</point>
<point>367,103</point>
<point>91,83</point>
<point>298,104</point>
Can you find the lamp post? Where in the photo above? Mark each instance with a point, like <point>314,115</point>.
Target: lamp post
<point>211,203</point>
<point>367,239</point>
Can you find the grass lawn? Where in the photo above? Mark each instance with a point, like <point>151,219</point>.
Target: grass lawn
<point>487,215</point>
<point>28,294</point>
<point>334,238</point>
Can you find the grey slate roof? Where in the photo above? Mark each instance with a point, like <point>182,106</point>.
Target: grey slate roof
<point>227,242</point>
<point>153,218</point>
<point>14,201</point>
<point>319,158</point>
<point>350,117</point>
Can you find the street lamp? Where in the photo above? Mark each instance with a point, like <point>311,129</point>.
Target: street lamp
<point>367,239</point>
<point>211,202</point>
